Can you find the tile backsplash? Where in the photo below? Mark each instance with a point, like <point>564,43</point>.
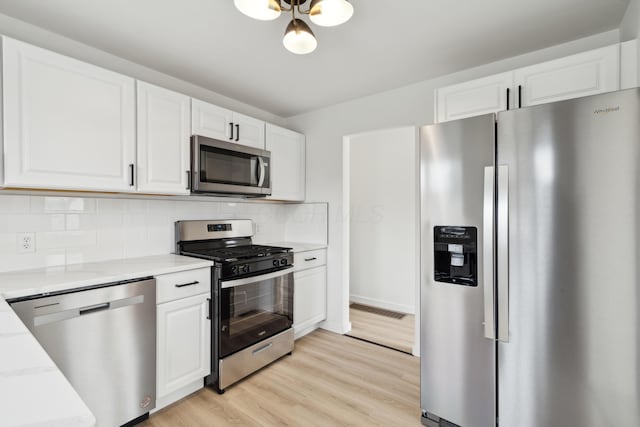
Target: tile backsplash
<point>70,230</point>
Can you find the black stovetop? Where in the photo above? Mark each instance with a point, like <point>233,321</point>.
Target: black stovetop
<point>238,253</point>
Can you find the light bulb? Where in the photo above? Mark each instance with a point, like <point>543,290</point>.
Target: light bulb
<point>298,38</point>
<point>329,13</point>
<point>264,10</point>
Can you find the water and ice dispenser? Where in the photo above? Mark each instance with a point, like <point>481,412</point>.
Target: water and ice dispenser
<point>456,255</point>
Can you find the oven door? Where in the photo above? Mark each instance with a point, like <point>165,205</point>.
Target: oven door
<point>224,167</point>
<point>254,308</point>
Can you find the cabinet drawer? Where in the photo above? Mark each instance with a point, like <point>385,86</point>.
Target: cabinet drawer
<point>183,284</point>
<point>309,259</point>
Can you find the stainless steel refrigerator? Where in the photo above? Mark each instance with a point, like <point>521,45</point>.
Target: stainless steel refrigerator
<point>530,266</point>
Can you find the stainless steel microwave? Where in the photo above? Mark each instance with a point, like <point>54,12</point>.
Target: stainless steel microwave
<point>221,167</point>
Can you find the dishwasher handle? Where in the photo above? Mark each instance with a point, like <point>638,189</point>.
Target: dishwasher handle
<point>93,308</point>
<point>58,316</point>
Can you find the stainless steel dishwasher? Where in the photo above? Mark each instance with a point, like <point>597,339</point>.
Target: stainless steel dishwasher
<point>103,339</point>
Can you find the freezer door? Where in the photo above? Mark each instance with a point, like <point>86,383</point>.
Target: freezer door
<point>572,262</point>
<point>457,359</point>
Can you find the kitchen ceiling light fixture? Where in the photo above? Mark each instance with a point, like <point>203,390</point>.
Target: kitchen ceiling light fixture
<point>298,37</point>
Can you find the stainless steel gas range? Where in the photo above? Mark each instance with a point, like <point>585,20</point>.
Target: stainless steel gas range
<point>252,288</point>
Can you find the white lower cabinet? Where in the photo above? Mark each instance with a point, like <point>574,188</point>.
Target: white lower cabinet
<point>310,299</point>
<point>183,354</point>
<point>184,343</point>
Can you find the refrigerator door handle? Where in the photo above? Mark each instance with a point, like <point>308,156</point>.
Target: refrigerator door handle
<point>503,253</point>
<point>487,252</point>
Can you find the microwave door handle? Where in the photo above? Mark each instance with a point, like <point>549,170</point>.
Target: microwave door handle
<point>261,172</point>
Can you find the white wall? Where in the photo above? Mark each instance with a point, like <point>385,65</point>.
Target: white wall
<point>406,106</point>
<point>383,200</point>
<point>630,25</point>
<point>70,230</point>
<point>20,30</point>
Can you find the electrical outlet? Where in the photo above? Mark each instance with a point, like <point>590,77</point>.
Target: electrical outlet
<point>26,242</point>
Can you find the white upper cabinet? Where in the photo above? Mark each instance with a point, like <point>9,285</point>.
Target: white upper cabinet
<point>211,121</point>
<point>67,124</point>
<point>225,125</point>
<point>584,74</point>
<point>629,64</point>
<point>476,97</point>
<point>163,140</point>
<point>287,163</point>
<point>587,73</point>
<point>248,131</point>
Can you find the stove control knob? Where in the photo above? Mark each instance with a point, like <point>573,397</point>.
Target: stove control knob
<point>275,262</point>
<point>245,268</point>
<point>234,269</point>
<point>283,261</point>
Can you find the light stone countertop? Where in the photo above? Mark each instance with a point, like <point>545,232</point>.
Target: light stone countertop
<point>299,246</point>
<point>33,391</point>
<point>23,283</point>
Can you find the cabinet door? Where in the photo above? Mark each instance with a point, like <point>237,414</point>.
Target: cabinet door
<point>67,124</point>
<point>211,121</point>
<point>248,131</point>
<point>587,73</point>
<point>163,140</point>
<point>309,298</point>
<point>287,163</point>
<point>184,342</point>
<point>629,64</point>
<point>474,98</point>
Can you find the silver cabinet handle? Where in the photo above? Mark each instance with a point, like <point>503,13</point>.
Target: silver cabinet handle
<point>311,259</point>
<point>263,348</point>
<point>503,253</point>
<point>182,285</point>
<point>261,175</point>
<point>487,253</point>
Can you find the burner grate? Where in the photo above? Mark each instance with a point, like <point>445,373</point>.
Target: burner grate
<point>244,251</point>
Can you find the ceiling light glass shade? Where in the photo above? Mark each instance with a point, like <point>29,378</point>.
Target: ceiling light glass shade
<point>264,10</point>
<point>298,38</point>
<point>329,13</point>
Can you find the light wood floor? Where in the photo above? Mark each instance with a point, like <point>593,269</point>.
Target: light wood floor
<point>394,333</point>
<point>330,380</point>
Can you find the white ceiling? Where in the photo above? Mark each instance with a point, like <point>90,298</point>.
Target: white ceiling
<point>387,44</point>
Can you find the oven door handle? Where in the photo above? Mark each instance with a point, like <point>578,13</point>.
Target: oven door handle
<point>254,279</point>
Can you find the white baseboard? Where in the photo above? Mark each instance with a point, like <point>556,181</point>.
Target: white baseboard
<point>337,327</point>
<point>299,332</point>
<point>402,308</point>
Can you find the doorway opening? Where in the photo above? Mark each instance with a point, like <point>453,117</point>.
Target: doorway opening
<point>382,237</point>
